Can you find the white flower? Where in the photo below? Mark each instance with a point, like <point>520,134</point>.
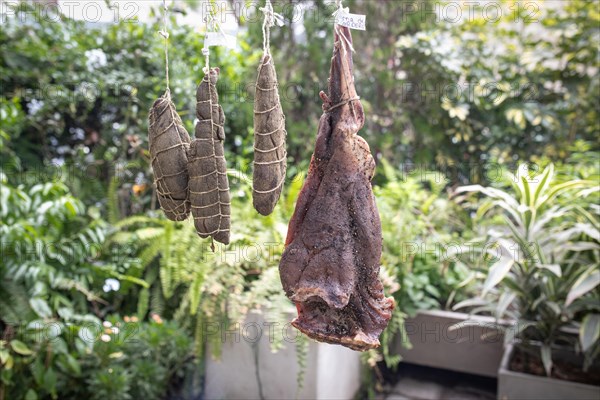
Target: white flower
<point>105,338</point>
<point>35,105</point>
<point>106,324</point>
<point>96,58</point>
<point>111,284</point>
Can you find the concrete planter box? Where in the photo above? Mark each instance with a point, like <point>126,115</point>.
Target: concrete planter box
<point>519,386</point>
<point>332,372</point>
<point>434,344</point>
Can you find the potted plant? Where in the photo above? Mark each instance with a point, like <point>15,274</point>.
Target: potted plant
<point>542,258</point>
<point>419,231</point>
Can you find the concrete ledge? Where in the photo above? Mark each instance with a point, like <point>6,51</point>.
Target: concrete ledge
<point>332,372</point>
<point>434,344</point>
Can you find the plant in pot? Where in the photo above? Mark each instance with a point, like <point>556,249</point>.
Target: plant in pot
<point>421,227</point>
<point>542,257</point>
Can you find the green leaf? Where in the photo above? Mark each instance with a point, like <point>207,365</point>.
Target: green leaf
<point>50,380</point>
<point>555,308</point>
<point>148,233</point>
<point>4,356</point>
<point>196,292</point>
<point>554,268</point>
<point>31,395</point>
<point>469,303</point>
<point>586,282</point>
<point>467,323</point>
<point>513,332</point>
<point>73,364</point>
<point>526,191</point>
<point>20,348</point>
<point>544,183</point>
<point>589,333</point>
<point>70,207</point>
<point>40,307</point>
<point>10,361</point>
<point>505,300</point>
<point>547,358</point>
<point>142,305</point>
<point>497,272</point>
<point>563,187</point>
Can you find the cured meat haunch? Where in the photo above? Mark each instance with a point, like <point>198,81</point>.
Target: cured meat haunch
<point>168,142</point>
<point>209,186</point>
<point>269,140</point>
<point>331,262</point>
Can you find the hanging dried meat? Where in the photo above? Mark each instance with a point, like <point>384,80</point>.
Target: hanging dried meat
<point>269,140</point>
<point>331,264</point>
<point>168,141</point>
<point>209,186</point>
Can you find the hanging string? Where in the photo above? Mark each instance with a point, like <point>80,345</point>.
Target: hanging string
<point>341,34</point>
<point>164,33</point>
<point>345,39</point>
<point>210,24</point>
<point>345,43</point>
<point>271,18</point>
<point>206,53</point>
<point>267,24</point>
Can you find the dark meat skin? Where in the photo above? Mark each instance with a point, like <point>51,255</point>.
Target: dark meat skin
<point>269,140</point>
<point>209,186</point>
<point>168,142</point>
<point>330,265</point>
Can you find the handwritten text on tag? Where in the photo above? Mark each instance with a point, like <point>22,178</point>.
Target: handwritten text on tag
<point>352,21</point>
<point>220,39</point>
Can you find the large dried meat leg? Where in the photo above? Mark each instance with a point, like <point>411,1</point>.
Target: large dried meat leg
<point>330,265</point>
<point>209,186</point>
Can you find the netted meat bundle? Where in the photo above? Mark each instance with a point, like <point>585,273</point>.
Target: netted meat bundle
<point>208,185</point>
<point>168,141</point>
<point>269,140</point>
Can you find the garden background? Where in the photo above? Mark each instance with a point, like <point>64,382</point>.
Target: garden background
<point>89,262</point>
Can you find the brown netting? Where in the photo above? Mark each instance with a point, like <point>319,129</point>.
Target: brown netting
<point>209,186</point>
<point>169,141</point>
<point>269,140</point>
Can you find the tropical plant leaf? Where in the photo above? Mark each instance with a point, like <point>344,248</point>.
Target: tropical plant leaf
<point>554,268</point>
<point>546,352</point>
<point>20,348</point>
<point>543,184</point>
<point>470,303</point>
<point>40,307</point>
<point>497,272</point>
<point>515,331</point>
<point>589,332</point>
<point>586,282</point>
<point>504,302</point>
<point>143,301</point>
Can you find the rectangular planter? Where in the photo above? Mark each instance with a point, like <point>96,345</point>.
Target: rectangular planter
<point>434,344</point>
<point>519,386</point>
<point>332,372</point>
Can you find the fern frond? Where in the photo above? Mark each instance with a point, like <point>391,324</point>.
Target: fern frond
<point>114,214</point>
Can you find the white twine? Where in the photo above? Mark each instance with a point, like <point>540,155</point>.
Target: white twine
<point>210,23</point>
<point>271,19</point>
<point>164,33</point>
<point>344,39</point>
<point>342,10</point>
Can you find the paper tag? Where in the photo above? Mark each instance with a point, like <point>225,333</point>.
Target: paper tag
<point>220,39</point>
<point>352,21</point>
